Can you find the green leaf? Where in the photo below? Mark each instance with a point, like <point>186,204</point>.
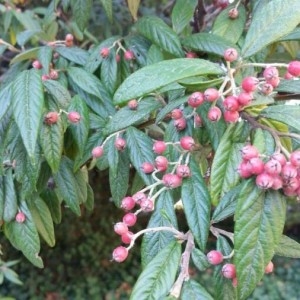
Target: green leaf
<point>266,28</point>
<point>140,151</point>
<point>24,236</point>
<point>67,186</point>
<point>11,275</point>
<point>81,178</point>
<point>42,219</point>
<point>53,203</point>
<point>192,290</point>
<point>81,10</point>
<point>73,54</point>
<point>126,117</point>
<point>157,278</point>
<point>157,31</point>
<point>289,86</point>
<point>287,114</point>
<point>89,204</point>
<point>182,14</point>
<point>45,55</point>
<point>259,221</point>
<point>154,55</point>
<point>196,203</point>
<point>288,247</point>
<point>154,242</point>
<point>207,42</point>
<point>146,80</point>
<point>294,35</point>
<point>26,55</point>
<point>199,259</point>
<point>107,5</point>
<point>28,103</point>
<point>230,29</point>
<point>5,100</point>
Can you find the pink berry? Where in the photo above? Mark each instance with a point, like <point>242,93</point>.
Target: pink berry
<point>267,88</point>
<point>159,147</point>
<point>127,203</point>
<point>53,74</point>
<point>97,152</point>
<point>187,143</point>
<point>295,158</point>
<point>147,167</point>
<point>74,117</point>
<point>139,197</point>
<point>269,268</point>
<point>120,254</point>
<point>273,167</point>
<point>197,120</point>
<point>120,228</point>
<point>294,68</point>
<point>277,182</point>
<point>120,144</point>
<point>234,282</point>
<point>104,52</point>
<point>231,116</point>
<point>245,98</point>
<point>130,219</point>
<point>161,163</point>
<point>229,271</point>
<point>231,103</point>
<point>191,54</point>
<point>270,72</point>
<point>171,181</point>
<point>45,77</point>
<point>274,82</point>
<point>69,37</point>
<point>176,114</point>
<point>214,114</point>
<point>264,181</point>
<point>222,3</point>
<point>243,170</point>
<point>195,99</point>
<point>180,124</point>
<point>118,58</point>
<point>288,171</point>
<point>288,76</point>
<point>249,152</point>
<point>132,104</point>
<point>128,55</point>
<point>249,84</point>
<point>183,171</point>
<point>211,94</point>
<point>20,217</point>
<point>127,237</point>
<point>147,205</point>
<point>233,13</point>
<point>279,157</point>
<point>214,257</point>
<point>36,64</point>
<point>51,118</point>
<point>230,54</point>
<point>256,165</point>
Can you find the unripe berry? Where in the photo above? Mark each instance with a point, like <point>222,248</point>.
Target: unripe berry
<point>36,64</point>
<point>195,99</point>
<point>270,72</point>
<point>231,103</point>
<point>176,114</point>
<point>147,167</point>
<point>245,98</point>
<point>161,163</point>
<point>214,257</point>
<point>120,144</point>
<point>180,124</point>
<point>120,228</point>
<point>130,219</point>
<point>20,217</point>
<point>264,181</point>
<point>104,52</point>
<point>233,13</point>
<point>229,271</point>
<point>273,167</point>
<point>294,68</point>
<point>231,116</point>
<point>249,84</point>
<point>147,205</point>
<point>139,197</point>
<point>127,203</point>
<point>267,88</point>
<point>132,104</point>
<point>120,254</point>
<point>295,158</point>
<point>269,268</point>
<point>191,54</point>
<point>187,143</point>
<point>172,181</point>
<point>128,55</point>
<point>211,94</point>
<point>51,118</point>
<point>127,237</point>
<point>74,116</point>
<point>230,54</point>
<point>214,114</point>
<point>183,171</point>
<point>97,152</point>
<point>159,147</point>
<point>249,152</point>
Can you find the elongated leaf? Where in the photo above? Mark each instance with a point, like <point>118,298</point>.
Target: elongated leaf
<point>192,290</point>
<point>196,202</point>
<point>140,151</point>
<point>24,236</point>
<point>74,54</point>
<point>45,57</point>
<point>157,278</point>
<point>294,35</point>
<point>199,259</point>
<point>288,247</point>
<point>28,54</point>
<point>259,221</point>
<point>154,242</point>
<point>154,55</point>
<point>81,178</point>
<point>42,219</point>
<point>10,275</point>
<point>89,204</point>
<point>5,100</point>
<point>107,4</point>
<point>147,80</point>
<point>81,10</point>
<point>10,202</point>
<point>289,86</point>
<point>133,6</point>
<point>157,31</point>
<point>265,27</point>
<point>28,102</point>
<point>207,42</point>
<point>53,203</point>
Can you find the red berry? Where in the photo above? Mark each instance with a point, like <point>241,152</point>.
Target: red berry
<point>211,94</point>
<point>249,84</point>
<point>120,228</point>
<point>139,197</point>
<point>191,54</point>
<point>120,144</point>
<point>294,68</point>
<point>180,124</point>
<point>264,181</point>
<point>231,103</point>
<point>127,203</point>
<point>176,114</point>
<point>270,72</point>
<point>230,54</point>
<point>97,152</point>
<point>104,52</point>
<point>147,167</point>
<point>183,171</point>
<point>51,118</point>
<point>128,55</point>
<point>161,163</point>
<point>231,116</point>
<point>214,257</point>
<point>269,268</point>
<point>195,99</point>
<point>187,143</point>
<point>245,98</point>
<point>132,104</point>
<point>233,13</point>
<point>74,116</point>
<point>120,254</point>
<point>127,237</point>
<point>295,158</point>
<point>36,64</point>
<point>172,181</point>
<point>147,205</point>
<point>20,217</point>
<point>130,219</point>
<point>214,114</point>
<point>159,147</point>
<point>249,152</point>
<point>228,271</point>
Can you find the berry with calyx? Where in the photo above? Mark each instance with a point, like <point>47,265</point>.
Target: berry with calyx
<point>45,77</point>
<point>269,268</point>
<point>69,40</point>
<point>291,185</point>
<point>74,117</point>
<point>233,13</point>
<point>138,197</point>
<point>195,99</point>
<point>97,152</point>
<point>267,88</point>
<point>187,143</point>
<point>130,219</point>
<point>231,116</point>
<point>147,167</point>
<point>36,64</point>
<point>128,55</point>
<point>249,84</point>
<point>245,98</point>
<point>277,182</point>
<point>270,72</point>
<point>161,163</point>
<point>159,147</point>
<point>120,254</point>
<point>243,169</point>
<point>231,55</point>
<point>53,74</point>
<point>132,104</point>
<point>264,181</point>
<point>127,237</point>
<point>147,205</point>
<point>214,257</point>
<point>231,103</point>
<point>180,124</point>
<point>191,54</point>
<point>294,68</point>
<point>249,152</point>
<point>279,157</point>
<point>255,165</point>
<point>214,114</point>
<point>51,118</point>
<point>20,217</point>
<point>229,271</point>
<point>127,203</point>
<point>104,52</point>
<point>273,167</point>
<point>120,144</point>
<point>176,114</point>
<point>120,228</point>
<point>183,171</point>
<point>295,158</point>
<point>211,94</point>
<point>171,181</point>
<point>288,171</point>
<point>273,81</point>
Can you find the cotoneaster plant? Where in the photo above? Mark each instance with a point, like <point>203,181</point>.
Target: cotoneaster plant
<point>192,117</point>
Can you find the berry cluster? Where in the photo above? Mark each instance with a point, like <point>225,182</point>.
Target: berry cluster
<point>274,172</point>
<point>53,116</point>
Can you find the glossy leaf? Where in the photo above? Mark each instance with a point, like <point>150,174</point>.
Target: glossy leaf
<point>154,242</point>
<point>133,6</point>
<point>157,31</point>
<point>207,42</point>
<point>74,54</point>
<point>199,259</point>
<point>28,102</point>
<point>146,80</point>
<point>81,10</point>
<point>259,221</point>
<point>265,27</point>
<point>196,203</point>
<point>157,278</point>
<point>192,290</point>
<point>288,247</point>
<point>24,236</point>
